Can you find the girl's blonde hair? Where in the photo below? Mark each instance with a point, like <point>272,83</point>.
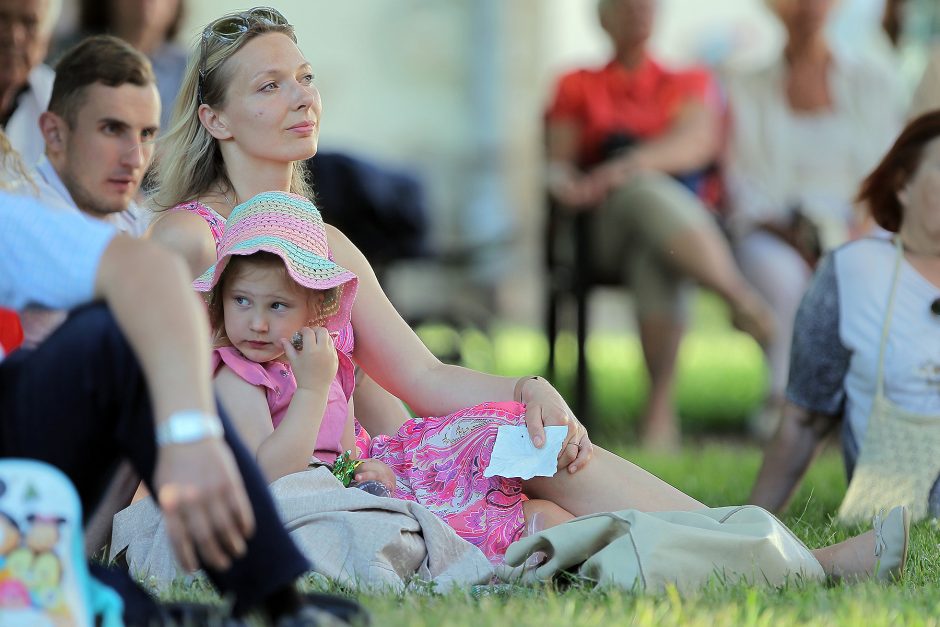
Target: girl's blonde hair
<point>188,160</point>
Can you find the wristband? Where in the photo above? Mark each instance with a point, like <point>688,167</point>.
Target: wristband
<point>517,390</point>
<point>185,427</point>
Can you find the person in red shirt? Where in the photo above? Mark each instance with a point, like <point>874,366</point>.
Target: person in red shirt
<point>632,141</point>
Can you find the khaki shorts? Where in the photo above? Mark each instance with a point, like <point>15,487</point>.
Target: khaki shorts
<point>631,236</point>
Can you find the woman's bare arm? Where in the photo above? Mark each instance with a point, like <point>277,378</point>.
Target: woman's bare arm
<point>188,235</point>
<point>392,354</point>
<point>787,457</point>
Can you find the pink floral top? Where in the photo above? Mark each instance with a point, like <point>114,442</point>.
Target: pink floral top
<point>215,221</point>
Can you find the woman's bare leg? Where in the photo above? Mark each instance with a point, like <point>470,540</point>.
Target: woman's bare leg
<point>609,483</point>
<point>852,559</point>
<point>540,514</point>
<point>377,410</point>
<point>660,338</point>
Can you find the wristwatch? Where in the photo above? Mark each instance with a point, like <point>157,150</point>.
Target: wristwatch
<point>184,427</point>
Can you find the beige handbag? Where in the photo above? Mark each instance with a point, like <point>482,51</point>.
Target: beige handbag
<point>899,460</point>
<point>646,551</point>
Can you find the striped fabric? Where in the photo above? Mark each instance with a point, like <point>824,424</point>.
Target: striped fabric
<point>47,258</point>
<point>291,227</point>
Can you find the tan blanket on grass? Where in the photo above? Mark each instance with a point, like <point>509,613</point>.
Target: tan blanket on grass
<point>356,539</point>
<point>650,551</point>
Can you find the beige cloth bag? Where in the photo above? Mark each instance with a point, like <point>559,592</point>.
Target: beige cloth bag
<point>358,540</point>
<point>647,551</point>
<point>899,460</point>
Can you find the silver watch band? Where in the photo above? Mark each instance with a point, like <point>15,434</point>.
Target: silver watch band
<point>184,427</point>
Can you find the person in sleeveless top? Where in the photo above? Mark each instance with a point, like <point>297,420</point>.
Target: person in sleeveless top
<point>249,69</point>
<point>200,171</point>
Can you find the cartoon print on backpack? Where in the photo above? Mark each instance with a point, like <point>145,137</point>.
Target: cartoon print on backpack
<point>31,551</point>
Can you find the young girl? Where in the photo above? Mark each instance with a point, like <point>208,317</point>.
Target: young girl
<point>247,114</point>
<point>276,298</point>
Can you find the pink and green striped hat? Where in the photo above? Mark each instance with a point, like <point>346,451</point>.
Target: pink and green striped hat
<point>291,227</point>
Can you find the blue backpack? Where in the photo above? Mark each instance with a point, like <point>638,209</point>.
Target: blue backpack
<point>44,577</point>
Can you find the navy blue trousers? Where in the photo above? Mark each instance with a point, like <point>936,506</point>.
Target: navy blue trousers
<point>79,402</point>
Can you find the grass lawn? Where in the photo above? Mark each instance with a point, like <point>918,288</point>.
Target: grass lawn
<point>717,474</point>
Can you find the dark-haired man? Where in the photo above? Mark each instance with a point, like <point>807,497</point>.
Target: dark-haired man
<point>103,116</point>
<point>104,113</point>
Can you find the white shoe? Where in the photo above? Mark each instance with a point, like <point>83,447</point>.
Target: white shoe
<point>892,534</point>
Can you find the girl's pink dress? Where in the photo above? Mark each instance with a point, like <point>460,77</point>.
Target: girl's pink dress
<point>438,461</point>
<point>279,384</point>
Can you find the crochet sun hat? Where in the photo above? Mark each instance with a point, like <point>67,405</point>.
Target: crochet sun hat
<point>291,227</point>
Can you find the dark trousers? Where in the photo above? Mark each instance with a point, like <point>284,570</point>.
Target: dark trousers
<point>79,402</point>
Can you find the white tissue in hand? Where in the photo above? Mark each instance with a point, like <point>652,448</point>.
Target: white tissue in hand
<point>514,455</point>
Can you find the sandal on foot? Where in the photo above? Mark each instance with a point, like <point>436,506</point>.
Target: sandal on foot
<point>892,535</point>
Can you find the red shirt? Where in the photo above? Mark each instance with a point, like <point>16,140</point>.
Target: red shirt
<point>641,102</point>
<point>11,332</point>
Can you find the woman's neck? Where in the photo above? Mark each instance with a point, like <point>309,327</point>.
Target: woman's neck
<point>919,243</point>
<point>922,252</point>
<point>807,74</point>
<point>630,57</point>
<point>809,49</point>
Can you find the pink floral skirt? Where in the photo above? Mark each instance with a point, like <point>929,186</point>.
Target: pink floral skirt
<point>439,463</point>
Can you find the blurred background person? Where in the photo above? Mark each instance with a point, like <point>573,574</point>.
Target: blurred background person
<point>838,365</point>
<point>25,82</point>
<point>151,26</point>
<point>631,141</point>
<point>805,129</point>
<point>919,23</point>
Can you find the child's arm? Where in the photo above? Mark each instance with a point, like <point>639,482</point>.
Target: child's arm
<point>286,449</point>
<point>289,447</point>
<point>246,406</point>
<point>374,469</point>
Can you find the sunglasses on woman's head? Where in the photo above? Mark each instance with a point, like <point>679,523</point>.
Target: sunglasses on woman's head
<point>229,28</point>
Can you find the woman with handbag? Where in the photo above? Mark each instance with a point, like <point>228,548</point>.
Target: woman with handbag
<point>866,348</point>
